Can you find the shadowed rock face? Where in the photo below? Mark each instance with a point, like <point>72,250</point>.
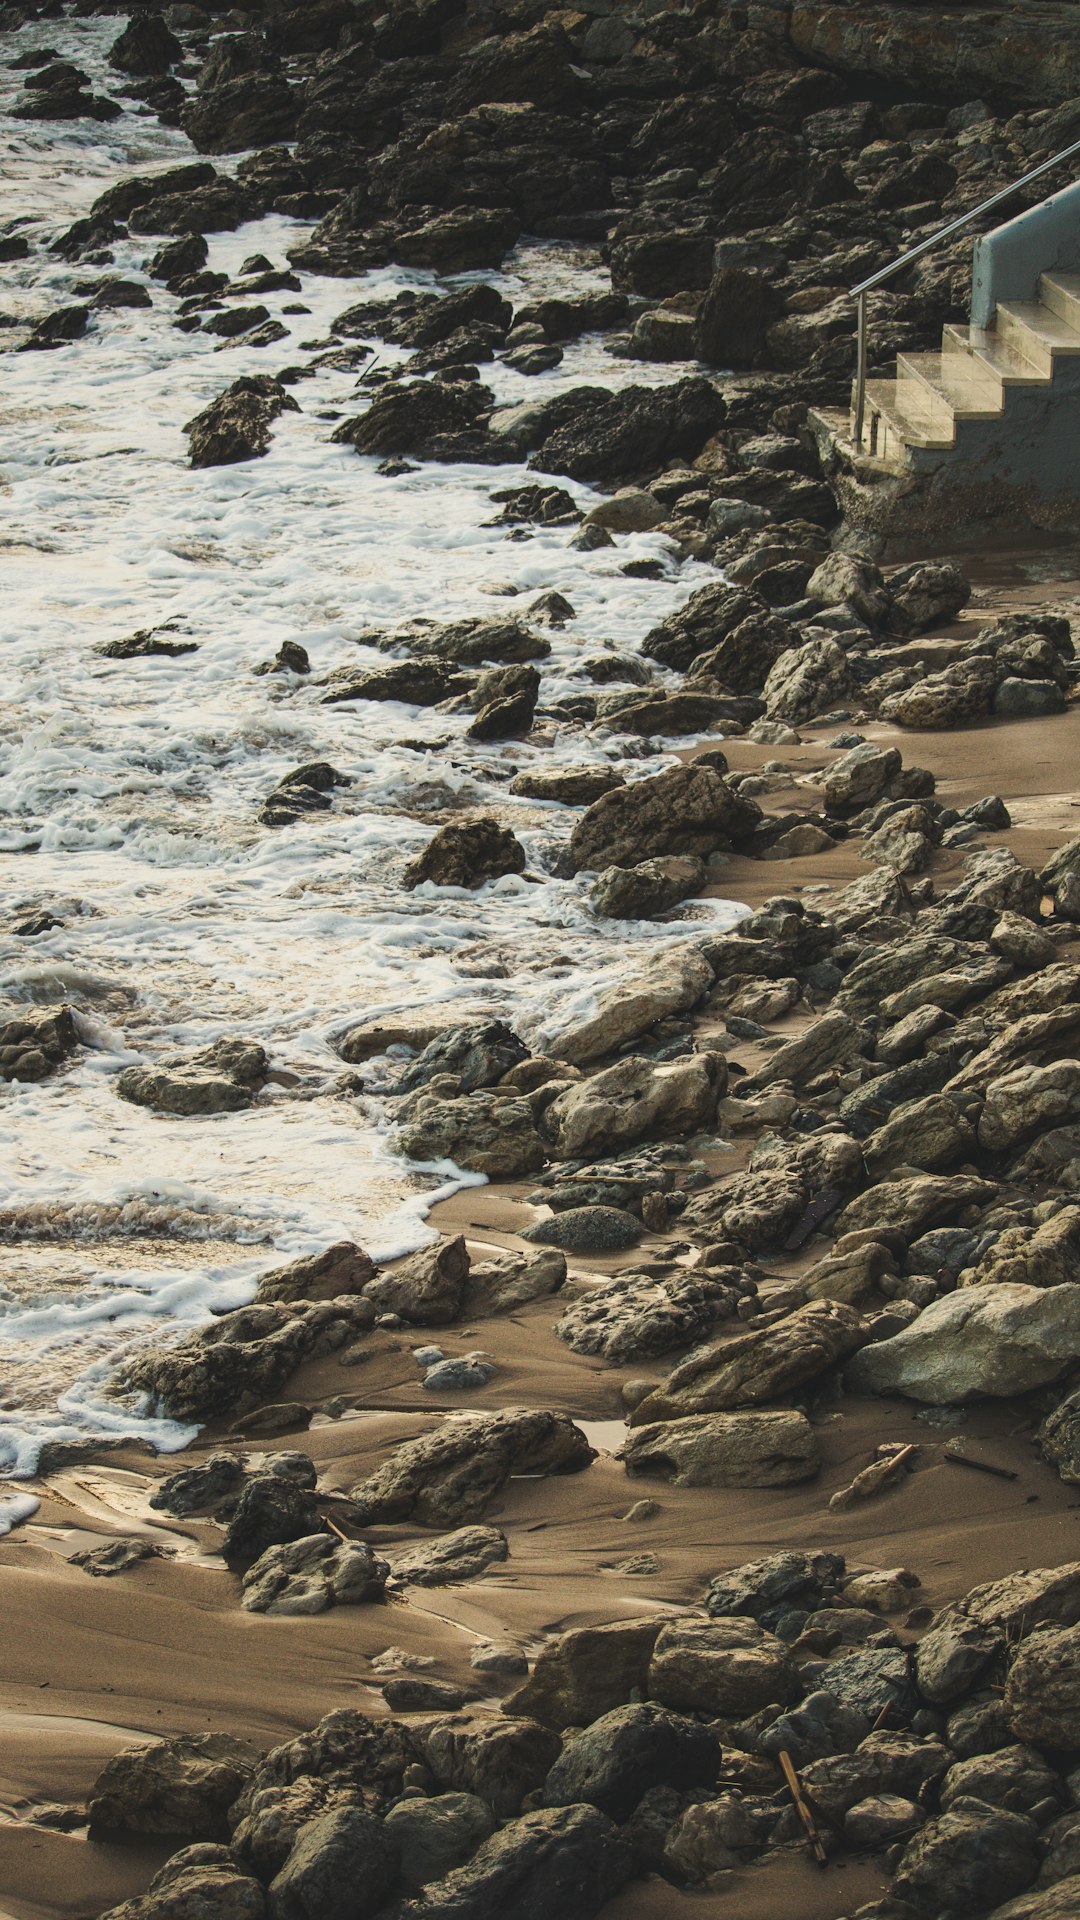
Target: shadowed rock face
<point>35,1043</point>
<point>452,1474</point>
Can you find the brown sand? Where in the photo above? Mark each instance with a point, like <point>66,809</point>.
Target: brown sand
<point>90,1665</point>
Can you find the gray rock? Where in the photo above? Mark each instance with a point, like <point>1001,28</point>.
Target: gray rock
<point>435,1836</point>
<point>562,1863</point>
<point>1016,1778</point>
<point>880,1820</point>
<point>873,1678</point>
<point>966,1639</point>
<point>343,1866</point>
<point>461,1555</point>
<point>464,1374</point>
<point>925,594</point>
<point>686,810</point>
<point>271,1511</point>
<point>636,1315</point>
<point>479,1054</point>
<point>426,1288</point>
<point>974,1852</point>
<point>587,1671</point>
<point>613,1762</point>
<point>1042,1693</point>
<point>183,1785</point>
<point>730,1666</point>
<point>35,1043</point>
<point>199,1880</point>
<point>764,1364</point>
<point>309,1575</point>
<point>1047,1903</point>
<point>194,1489</point>
<point>807,680</point>
<point>725,1450</point>
<point>451,1474</point>
<point>467,856</point>
<point>218,1079</point>
<point>984,1342</point>
<point>767,1589</point>
<point>760,1208</point>
<point>635,1099</point>
<point>1059,1438</point>
<point>485,1132</point>
<point>510,1280</point>
<point>860,776</point>
<point>414,1693</point>
<point>342,1268</point>
<point>499,1759</point>
<point>571,786</point>
<point>651,887</point>
<point>829,1042</point>
<point>670,982</point>
<point>587,1230</point>
<point>1030,1100</point>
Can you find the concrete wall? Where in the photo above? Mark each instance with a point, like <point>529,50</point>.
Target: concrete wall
<point>1008,262</point>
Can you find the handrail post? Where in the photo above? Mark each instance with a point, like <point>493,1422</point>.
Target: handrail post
<point>860,376</point>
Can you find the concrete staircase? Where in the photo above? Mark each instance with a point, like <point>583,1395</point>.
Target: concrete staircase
<point>986,375</point>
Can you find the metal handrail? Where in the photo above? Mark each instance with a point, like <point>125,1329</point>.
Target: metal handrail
<point>864,287</point>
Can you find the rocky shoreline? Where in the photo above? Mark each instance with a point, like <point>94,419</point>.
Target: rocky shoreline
<point>696,1536</point>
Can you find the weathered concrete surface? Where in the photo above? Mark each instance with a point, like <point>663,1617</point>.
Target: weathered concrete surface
<point>1007,262</point>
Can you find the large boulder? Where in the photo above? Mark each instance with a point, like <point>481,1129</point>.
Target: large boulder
<point>437,1834</point>
<point>763,1364</point>
<point>500,1760</point>
<point>146,47</point>
<point>610,438</point>
<point>236,426</point>
<point>617,1759</point>
<point>220,1078</point>
<point>740,305</point>
<point>967,1639</point>
<point>240,1360</point>
<point>731,1667</point>
<point>467,856</point>
<point>980,1343</point>
<point>313,1573</point>
<point>273,1508</point>
<point>451,1474</point>
<point>687,809</point>
<point>559,1863</point>
<point>493,1133</point>
<point>339,1269</point>
<point>669,982</point>
<point>343,1866</point>
<point>807,680</point>
<point>184,1785</point>
<point>976,1852</point>
<point>726,1450</point>
<point>479,1054</point>
<point>344,1754</point>
<point>784,1186</point>
<point>195,1884</point>
<point>636,1315</point>
<point>427,1287</point>
<point>633,1100</point>
<point>1042,1693</point>
<point>586,1672</point>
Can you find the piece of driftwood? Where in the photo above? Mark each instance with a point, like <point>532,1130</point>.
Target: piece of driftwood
<point>890,1466</point>
<point>803,1809</point>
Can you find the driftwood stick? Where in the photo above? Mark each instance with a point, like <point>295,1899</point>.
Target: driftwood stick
<point>802,1808</point>
<point>978,1466</point>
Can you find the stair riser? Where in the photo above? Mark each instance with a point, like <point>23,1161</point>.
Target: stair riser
<point>1027,344</point>
<point>951,386</point>
<point>1060,301</point>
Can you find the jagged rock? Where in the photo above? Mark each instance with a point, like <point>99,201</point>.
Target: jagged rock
<point>931,1133</point>
<point>807,680</point>
<point>848,580</point>
<point>113,1556</point>
<point>883,1762</point>
<point>203,1879</point>
<point>702,625</point>
<point>482,638</point>
<point>342,1866</point>
<point>438,1834</point>
<point>608,438</point>
<point>726,1450</point>
<point>498,1759</point>
<point>925,594</point>
<point>966,1639</point>
<point>670,982</point>
<point>636,1315</point>
<point>635,1099</point>
<point>946,699</point>
<point>1045,1256</point>
<point>649,888</point>
<point>1030,1100</point>
<point>688,809</point>
<point>740,305</point>
<point>340,1269</point>
<point>236,426</point>
<point>252,108</point>
<point>1016,1778</point>
<point>486,1132</point>
<point>510,1280</point>
<point>451,1474</point>
<point>309,1575</point>
<point>426,1288</point>
<point>345,1755</point>
<point>976,1853</point>
<point>984,1342</point>
<point>767,1589</point>
<point>860,776</point>
<point>271,1511</point>
<point>241,1359</point>
<point>587,1671</point>
<point>35,1043</point>
<point>1042,1693</point>
<point>913,1204</point>
<point>763,1364</point>
<point>428,419</point>
<point>728,1666</point>
<point>760,1208</point>
<point>183,1785</point>
<point>829,1042</point>
<point>572,786</point>
<point>461,1555</point>
<point>613,1762</point>
<point>194,1489</point>
<point>146,46</point>
<point>220,1078</point>
<point>561,1863</point>
<point>1043,1903</point>
<point>467,856</point>
<point>1059,1438</point>
<point>479,1054</point>
<point>420,682</point>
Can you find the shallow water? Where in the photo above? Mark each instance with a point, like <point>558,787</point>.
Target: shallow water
<point>129,789</point>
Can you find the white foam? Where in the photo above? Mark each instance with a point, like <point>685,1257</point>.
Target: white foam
<point>130,788</point>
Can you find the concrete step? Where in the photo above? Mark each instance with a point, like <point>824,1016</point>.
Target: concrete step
<point>956,385</point>
<point>1036,334</point>
<point>1060,292</point>
<point>904,420</point>
<point>1009,368</point>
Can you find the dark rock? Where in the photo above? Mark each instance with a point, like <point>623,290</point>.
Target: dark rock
<point>451,1474</point>
<point>35,1043</point>
<point>146,46</point>
<point>270,1511</point>
<point>479,1055</point>
<point>620,1756</point>
<point>426,1288</point>
<point>312,1573</point>
<point>220,1078</point>
<point>734,317</point>
<point>342,1866</point>
<point>194,1489</point>
<point>555,1864</point>
<point>339,1269</point>
<point>67,323</point>
<point>241,1359</point>
<point>183,1785</point>
<point>467,856</point>
<point>687,810</point>
<point>236,426</point>
<point>587,1230</point>
<point>610,438</point>
<point>767,1589</point>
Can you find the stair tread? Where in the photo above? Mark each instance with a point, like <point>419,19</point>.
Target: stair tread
<point>1009,366</point>
<point>913,426</point>
<point>1068,282</point>
<point>1048,328</point>
<point>959,381</point>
